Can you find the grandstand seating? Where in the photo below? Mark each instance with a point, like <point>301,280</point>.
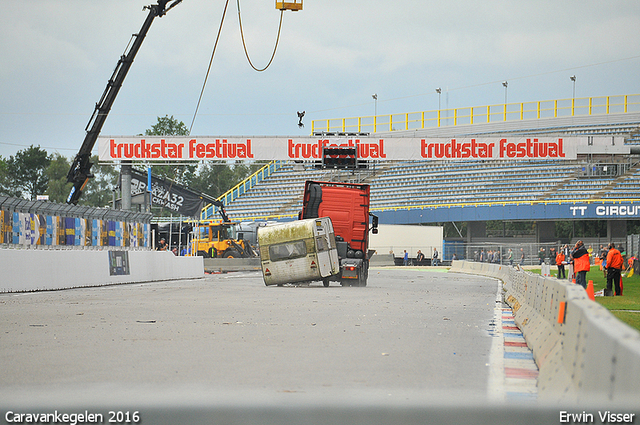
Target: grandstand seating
<point>407,184</point>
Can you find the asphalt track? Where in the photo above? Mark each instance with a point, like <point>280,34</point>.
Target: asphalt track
<point>410,335</point>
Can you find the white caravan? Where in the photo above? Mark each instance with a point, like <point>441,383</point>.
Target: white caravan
<point>298,251</point>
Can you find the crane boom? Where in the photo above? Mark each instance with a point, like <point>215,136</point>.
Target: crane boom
<point>80,171</point>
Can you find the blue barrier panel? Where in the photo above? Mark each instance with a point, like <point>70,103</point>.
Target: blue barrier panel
<point>112,233</point>
<point>16,228</point>
<point>70,230</point>
<point>95,232</point>
<point>77,240</point>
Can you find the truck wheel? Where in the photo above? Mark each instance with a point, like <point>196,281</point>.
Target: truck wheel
<point>364,274</point>
<point>325,282</point>
<point>230,253</point>
<point>203,254</point>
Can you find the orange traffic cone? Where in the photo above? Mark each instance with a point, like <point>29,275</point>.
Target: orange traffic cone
<point>590,293</point>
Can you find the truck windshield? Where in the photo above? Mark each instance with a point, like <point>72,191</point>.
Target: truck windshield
<point>287,250</point>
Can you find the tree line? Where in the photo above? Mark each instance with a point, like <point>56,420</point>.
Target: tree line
<point>33,171</point>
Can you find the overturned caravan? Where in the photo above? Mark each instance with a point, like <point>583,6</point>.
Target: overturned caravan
<point>298,251</point>
<point>329,243</point>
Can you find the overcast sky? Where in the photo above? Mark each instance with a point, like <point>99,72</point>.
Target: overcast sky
<point>56,57</point>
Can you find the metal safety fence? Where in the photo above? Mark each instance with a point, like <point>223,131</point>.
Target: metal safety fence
<point>49,225</point>
<point>522,253</point>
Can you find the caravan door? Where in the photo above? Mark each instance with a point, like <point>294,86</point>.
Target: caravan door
<point>325,243</point>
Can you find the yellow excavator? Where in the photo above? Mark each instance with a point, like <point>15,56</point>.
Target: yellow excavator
<point>219,238</point>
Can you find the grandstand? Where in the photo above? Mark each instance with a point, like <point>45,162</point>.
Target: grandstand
<point>411,192</point>
<point>411,184</point>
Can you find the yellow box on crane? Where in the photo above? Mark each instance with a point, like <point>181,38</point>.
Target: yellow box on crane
<point>288,5</point>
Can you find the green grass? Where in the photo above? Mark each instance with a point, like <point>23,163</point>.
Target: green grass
<point>619,306</point>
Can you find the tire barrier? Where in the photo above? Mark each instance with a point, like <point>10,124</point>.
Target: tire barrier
<point>583,352</point>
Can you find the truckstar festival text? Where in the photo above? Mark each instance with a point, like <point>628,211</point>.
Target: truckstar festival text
<point>310,148</point>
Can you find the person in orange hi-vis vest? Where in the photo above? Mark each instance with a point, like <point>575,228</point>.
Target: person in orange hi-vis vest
<point>560,264</point>
<point>581,263</point>
<point>615,263</point>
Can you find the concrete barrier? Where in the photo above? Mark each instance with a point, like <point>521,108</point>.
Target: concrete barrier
<point>42,269</point>
<point>382,260</point>
<point>582,351</point>
<point>213,265</point>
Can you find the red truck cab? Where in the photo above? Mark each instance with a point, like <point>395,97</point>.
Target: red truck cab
<point>347,205</point>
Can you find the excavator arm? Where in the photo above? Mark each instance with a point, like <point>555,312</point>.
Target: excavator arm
<point>221,210</point>
<point>80,171</point>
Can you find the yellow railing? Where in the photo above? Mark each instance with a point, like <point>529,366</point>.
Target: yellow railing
<point>209,210</point>
<point>482,114</point>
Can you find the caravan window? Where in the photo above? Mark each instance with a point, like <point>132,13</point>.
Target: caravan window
<point>287,250</point>
<point>322,243</point>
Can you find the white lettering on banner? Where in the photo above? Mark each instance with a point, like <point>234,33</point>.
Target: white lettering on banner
<point>581,209</point>
<point>607,210</point>
<point>160,196</point>
<point>310,148</point>
<point>618,210</point>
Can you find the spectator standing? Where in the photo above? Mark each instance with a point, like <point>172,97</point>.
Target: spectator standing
<point>560,264</point>
<point>615,263</point>
<point>162,245</point>
<point>541,255</point>
<point>420,258</point>
<point>406,258</point>
<point>510,257</point>
<point>603,257</point>
<point>552,254</point>
<point>434,257</point>
<point>581,263</point>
